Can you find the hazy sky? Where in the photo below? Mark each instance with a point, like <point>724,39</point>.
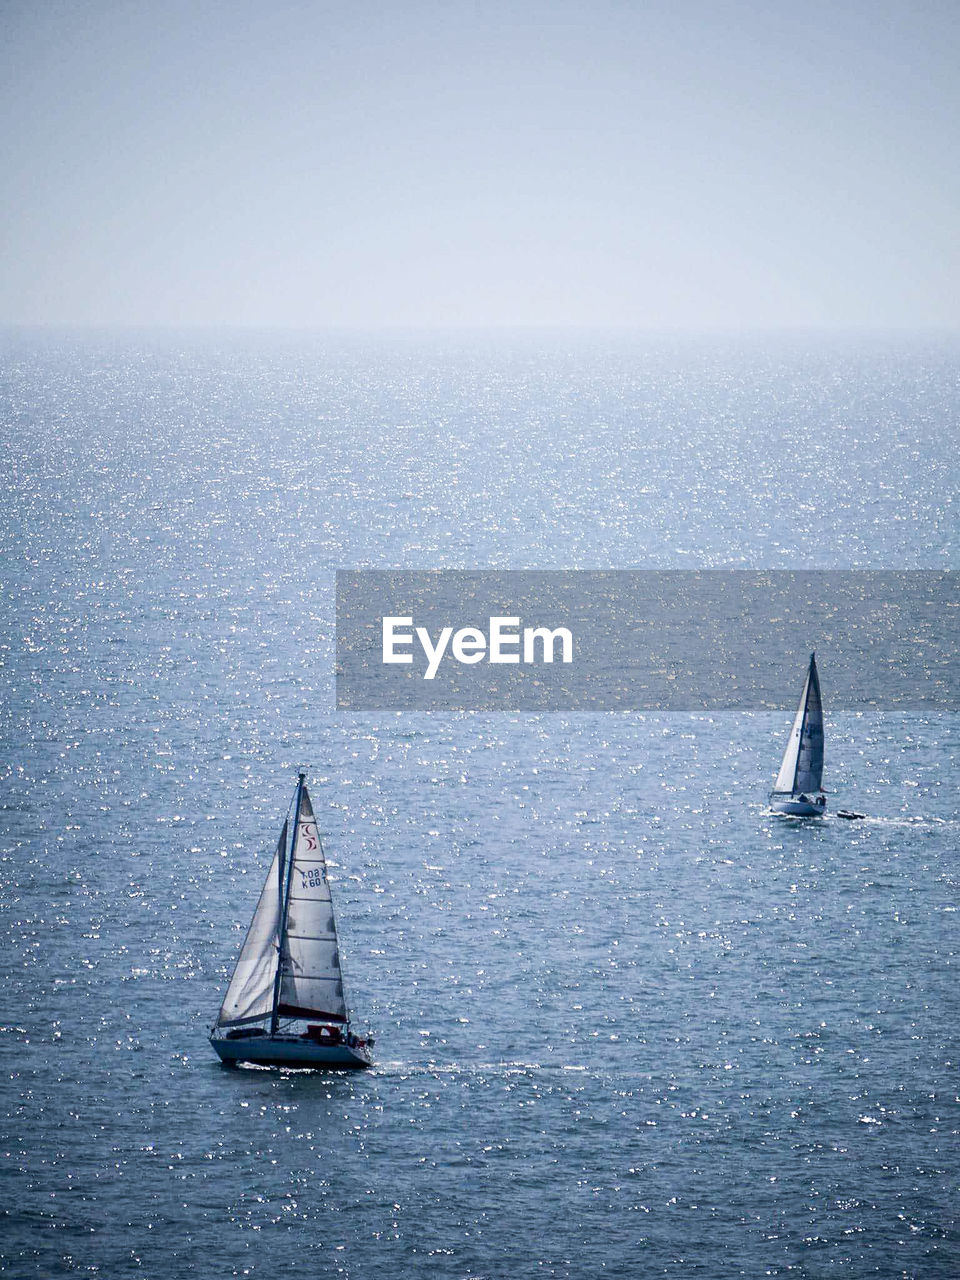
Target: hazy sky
<point>659,163</point>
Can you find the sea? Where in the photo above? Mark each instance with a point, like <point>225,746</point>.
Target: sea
<point>627,1023</point>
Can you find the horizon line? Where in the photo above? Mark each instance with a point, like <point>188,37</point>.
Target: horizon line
<point>387,329</point>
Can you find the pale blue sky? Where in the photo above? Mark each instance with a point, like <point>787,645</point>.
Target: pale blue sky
<point>740,164</point>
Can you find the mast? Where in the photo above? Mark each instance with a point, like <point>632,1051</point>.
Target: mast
<point>274,1015</point>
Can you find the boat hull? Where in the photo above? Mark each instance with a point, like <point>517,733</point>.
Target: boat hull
<point>291,1051</point>
<point>791,807</point>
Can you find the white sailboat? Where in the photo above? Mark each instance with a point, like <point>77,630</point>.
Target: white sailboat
<point>285,1005</point>
<point>798,792</point>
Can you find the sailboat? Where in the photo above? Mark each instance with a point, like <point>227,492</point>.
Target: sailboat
<point>798,792</point>
<point>285,1005</point>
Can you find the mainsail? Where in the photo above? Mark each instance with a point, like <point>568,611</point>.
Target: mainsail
<point>802,769</point>
<point>249,996</point>
<point>311,984</point>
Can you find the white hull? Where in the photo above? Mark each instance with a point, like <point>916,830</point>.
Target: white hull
<point>794,808</point>
<point>291,1051</point>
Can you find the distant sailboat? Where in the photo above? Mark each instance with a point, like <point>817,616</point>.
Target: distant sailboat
<point>798,791</point>
<point>285,1005</point>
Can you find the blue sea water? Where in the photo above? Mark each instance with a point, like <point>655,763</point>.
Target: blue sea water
<point>627,1024</point>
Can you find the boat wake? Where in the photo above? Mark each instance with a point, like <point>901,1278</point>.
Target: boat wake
<point>514,1068</point>
<point>916,822</point>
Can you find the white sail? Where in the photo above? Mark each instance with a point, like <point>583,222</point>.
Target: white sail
<point>810,761</point>
<point>802,769</point>
<point>249,996</point>
<point>311,985</point>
